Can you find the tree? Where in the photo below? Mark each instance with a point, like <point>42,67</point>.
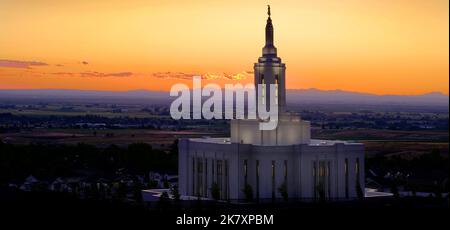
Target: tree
<point>394,189</point>
<point>283,191</point>
<point>94,191</point>
<point>166,183</point>
<point>248,192</point>
<point>164,196</point>
<point>163,200</point>
<point>215,191</point>
<point>137,192</point>
<point>359,191</point>
<point>413,189</point>
<point>152,184</point>
<point>437,191</point>
<point>121,191</point>
<point>175,193</point>
<point>321,192</point>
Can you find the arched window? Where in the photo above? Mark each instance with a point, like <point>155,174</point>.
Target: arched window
<point>263,90</point>
<point>346,177</point>
<point>273,180</point>
<point>276,89</point>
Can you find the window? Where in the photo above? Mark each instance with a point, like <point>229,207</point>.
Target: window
<point>219,176</point>
<point>285,170</point>
<point>193,176</point>
<point>245,171</point>
<point>321,174</point>
<point>322,179</point>
<point>205,187</point>
<point>212,171</point>
<point>314,172</point>
<point>286,174</point>
<point>357,170</point>
<point>329,178</point>
<point>276,89</point>
<point>346,177</point>
<point>263,90</point>
<point>257,179</point>
<point>273,180</point>
<point>226,193</point>
<point>199,176</point>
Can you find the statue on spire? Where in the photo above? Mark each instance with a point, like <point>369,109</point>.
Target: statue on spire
<point>268,10</point>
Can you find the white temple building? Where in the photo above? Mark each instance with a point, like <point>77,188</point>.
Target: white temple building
<point>270,161</point>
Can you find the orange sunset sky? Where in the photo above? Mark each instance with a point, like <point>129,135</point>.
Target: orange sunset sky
<point>374,46</point>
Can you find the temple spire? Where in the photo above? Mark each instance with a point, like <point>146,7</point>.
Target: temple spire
<point>269,48</point>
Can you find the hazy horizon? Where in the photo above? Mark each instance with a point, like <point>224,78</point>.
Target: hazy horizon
<point>167,91</point>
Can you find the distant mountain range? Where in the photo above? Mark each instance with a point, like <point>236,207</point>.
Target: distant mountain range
<point>294,96</point>
<point>346,97</point>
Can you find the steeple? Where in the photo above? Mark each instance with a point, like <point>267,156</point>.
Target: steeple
<point>270,70</point>
<point>269,49</point>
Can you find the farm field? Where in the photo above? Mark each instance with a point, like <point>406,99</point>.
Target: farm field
<point>100,138</point>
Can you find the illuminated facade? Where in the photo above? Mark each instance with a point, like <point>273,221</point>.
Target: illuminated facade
<point>271,164</point>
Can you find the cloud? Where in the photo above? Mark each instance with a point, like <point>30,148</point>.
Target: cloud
<point>59,65</point>
<point>84,62</point>
<point>63,73</point>
<point>236,76</point>
<point>20,64</point>
<point>99,74</point>
<point>162,75</point>
<point>206,76</point>
<point>176,75</point>
<point>94,74</point>
<point>120,74</point>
